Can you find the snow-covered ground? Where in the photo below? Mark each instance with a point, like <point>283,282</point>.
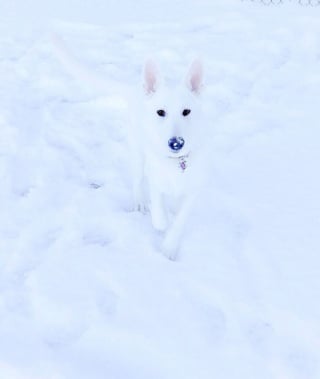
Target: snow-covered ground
<point>84,291</point>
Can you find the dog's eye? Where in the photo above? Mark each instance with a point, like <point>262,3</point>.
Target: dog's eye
<point>161,112</point>
<point>185,112</point>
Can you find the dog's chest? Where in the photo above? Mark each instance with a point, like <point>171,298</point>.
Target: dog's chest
<point>169,176</point>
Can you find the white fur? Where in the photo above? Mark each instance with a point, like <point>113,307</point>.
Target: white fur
<point>160,185</point>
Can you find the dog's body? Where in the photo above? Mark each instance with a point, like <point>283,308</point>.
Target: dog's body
<point>166,145</point>
<point>165,140</point>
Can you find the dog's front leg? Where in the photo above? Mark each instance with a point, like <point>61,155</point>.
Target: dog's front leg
<point>172,240</point>
<point>139,190</point>
<point>158,212</point>
<point>139,194</point>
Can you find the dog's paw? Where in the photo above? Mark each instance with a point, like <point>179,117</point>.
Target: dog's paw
<point>142,208</point>
<point>160,224</point>
<point>170,248</point>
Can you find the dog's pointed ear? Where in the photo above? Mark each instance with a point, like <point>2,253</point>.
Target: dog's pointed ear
<point>195,76</point>
<point>151,77</point>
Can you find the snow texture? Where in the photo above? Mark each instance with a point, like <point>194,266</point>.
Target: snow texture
<point>84,291</point>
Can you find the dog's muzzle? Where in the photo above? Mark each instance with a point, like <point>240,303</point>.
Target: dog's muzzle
<point>176,144</point>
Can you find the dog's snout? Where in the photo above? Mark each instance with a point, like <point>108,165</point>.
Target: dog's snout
<point>176,144</point>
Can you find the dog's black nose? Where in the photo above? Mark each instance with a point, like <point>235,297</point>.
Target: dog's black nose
<point>176,143</point>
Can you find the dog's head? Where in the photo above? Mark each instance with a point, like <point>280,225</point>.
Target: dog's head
<point>173,114</point>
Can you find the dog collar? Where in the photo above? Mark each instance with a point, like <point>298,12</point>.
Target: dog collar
<point>182,161</point>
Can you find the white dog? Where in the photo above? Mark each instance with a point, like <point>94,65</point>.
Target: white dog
<point>166,139</point>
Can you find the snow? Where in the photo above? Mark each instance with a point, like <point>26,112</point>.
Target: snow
<point>84,290</point>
